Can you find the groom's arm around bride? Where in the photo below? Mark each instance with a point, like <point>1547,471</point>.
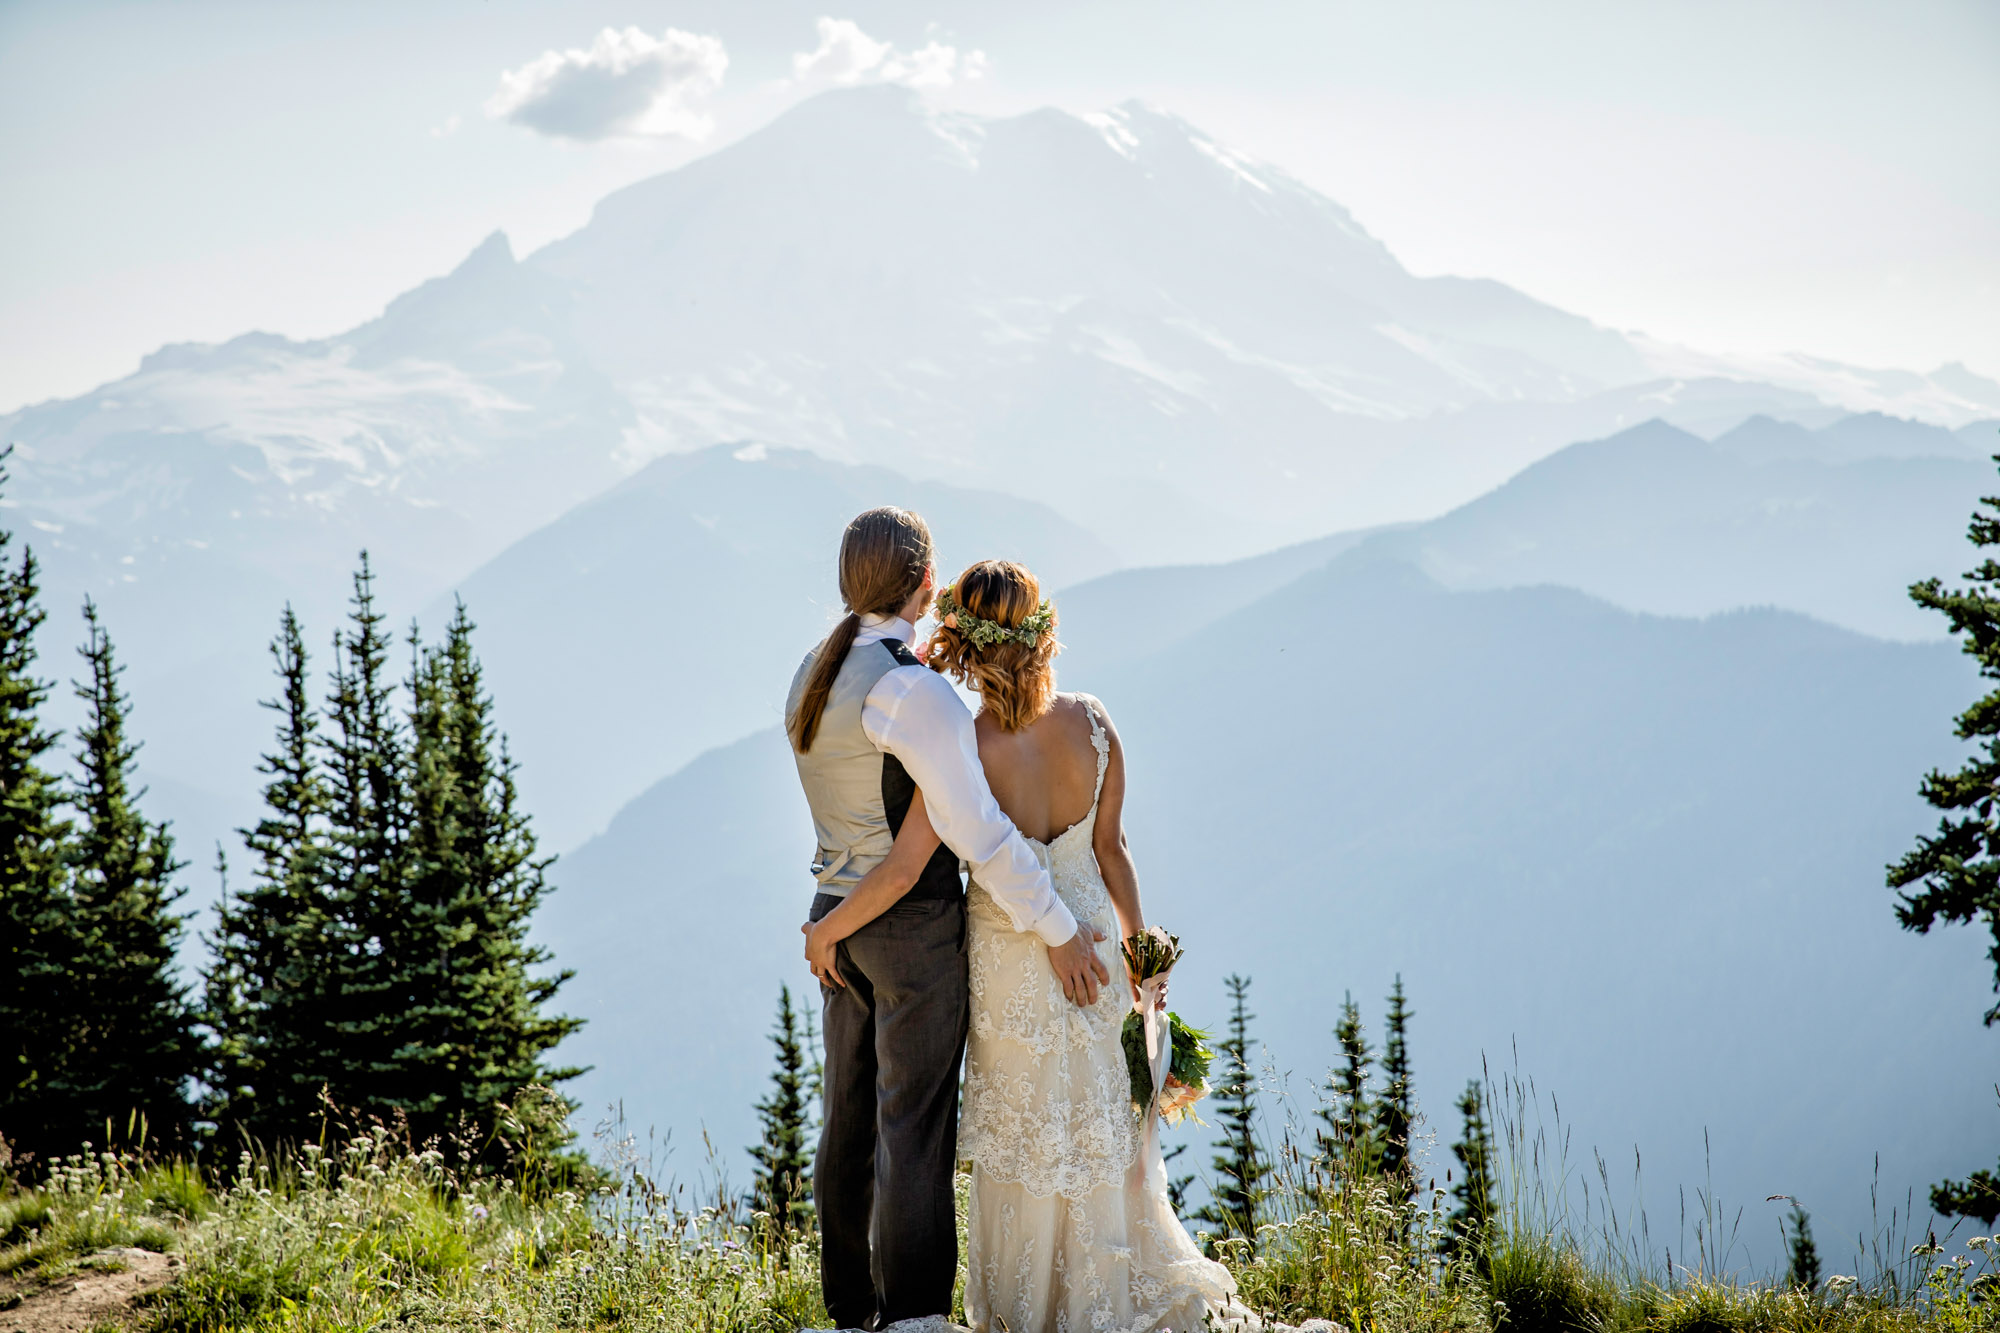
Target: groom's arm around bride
<point>918,718</point>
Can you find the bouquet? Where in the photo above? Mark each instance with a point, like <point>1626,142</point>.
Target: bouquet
<point>1151,955</point>
<point>1187,1073</point>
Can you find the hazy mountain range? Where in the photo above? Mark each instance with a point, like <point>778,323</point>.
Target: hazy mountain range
<point>1413,679</point>
<point>700,577</point>
<point>1215,358</point>
<point>1643,852</point>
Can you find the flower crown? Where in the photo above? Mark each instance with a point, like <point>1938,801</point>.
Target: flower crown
<point>984,633</point>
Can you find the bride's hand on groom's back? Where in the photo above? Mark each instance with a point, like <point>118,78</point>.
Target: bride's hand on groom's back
<point>1077,966</point>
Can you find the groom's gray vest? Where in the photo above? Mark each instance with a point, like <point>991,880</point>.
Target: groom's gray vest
<point>858,794</point>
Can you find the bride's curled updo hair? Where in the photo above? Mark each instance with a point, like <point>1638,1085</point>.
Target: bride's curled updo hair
<point>1016,681</point>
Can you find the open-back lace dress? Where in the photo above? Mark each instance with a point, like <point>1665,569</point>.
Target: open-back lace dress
<point>1071,1229</point>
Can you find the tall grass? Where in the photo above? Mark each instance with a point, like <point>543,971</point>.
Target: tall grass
<point>96,1201</point>
<point>375,1233</point>
<point>371,1232</point>
<point>1565,1255</point>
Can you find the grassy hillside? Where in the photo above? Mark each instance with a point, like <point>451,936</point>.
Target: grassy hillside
<point>372,1233</point>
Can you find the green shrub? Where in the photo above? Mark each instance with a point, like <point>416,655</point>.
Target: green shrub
<point>175,1190</point>
<point>21,1217</point>
<point>1710,1308</point>
<point>1541,1284</point>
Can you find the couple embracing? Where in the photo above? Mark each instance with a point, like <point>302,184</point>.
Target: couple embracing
<point>1070,1226</point>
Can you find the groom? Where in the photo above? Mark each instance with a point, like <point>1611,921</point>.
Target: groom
<point>870,726</point>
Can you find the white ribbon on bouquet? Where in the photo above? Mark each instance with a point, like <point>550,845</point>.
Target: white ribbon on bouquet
<point>1159,1056</point>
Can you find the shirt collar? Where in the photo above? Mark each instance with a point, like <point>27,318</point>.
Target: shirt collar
<point>886,627</point>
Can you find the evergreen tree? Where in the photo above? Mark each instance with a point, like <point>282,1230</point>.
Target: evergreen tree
<point>783,1179</point>
<point>1395,1108</point>
<point>1348,1140</point>
<point>1978,1195</point>
<point>1472,1214</point>
<point>381,962</point>
<point>1953,878</point>
<point>37,953</point>
<point>1177,1186</point>
<point>1803,1271</point>
<point>1236,1196</point>
<point>456,1009</point>
<point>815,1065</point>
<point>363,750</point>
<point>136,1052</point>
<point>275,951</point>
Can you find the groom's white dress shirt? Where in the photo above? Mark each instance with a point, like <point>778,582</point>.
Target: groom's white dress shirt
<point>914,714</point>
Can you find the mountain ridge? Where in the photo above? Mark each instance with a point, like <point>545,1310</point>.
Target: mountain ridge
<point>1226,351</point>
<point>1562,822</point>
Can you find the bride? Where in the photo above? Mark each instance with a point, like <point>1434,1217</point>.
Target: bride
<point>1071,1228</point>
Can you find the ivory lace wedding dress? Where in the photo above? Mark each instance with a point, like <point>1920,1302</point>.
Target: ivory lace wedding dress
<point>1071,1229</point>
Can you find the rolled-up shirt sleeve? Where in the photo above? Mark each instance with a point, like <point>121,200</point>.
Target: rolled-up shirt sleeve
<point>913,713</point>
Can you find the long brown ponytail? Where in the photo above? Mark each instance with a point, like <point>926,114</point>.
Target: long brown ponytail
<point>883,559</point>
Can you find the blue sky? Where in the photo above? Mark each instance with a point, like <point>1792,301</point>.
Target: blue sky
<point>1752,176</point>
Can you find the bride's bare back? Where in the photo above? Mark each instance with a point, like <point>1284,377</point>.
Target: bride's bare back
<point>1044,775</point>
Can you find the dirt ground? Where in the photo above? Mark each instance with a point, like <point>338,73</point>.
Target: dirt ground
<point>100,1290</point>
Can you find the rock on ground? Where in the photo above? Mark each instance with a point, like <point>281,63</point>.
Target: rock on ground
<point>102,1288</point>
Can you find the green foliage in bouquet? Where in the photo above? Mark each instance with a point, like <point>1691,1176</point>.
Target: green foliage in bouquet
<point>1188,1064</point>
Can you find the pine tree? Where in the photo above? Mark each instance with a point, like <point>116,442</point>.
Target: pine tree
<point>1236,1197</point>
<point>1395,1109</point>
<point>1177,1186</point>
<point>782,1187</point>
<point>1958,870</point>
<point>815,1065</point>
<point>1471,1223</point>
<point>1978,1195</point>
<point>1348,1141</point>
<point>363,750</point>
<point>275,950</point>
<point>381,962</point>
<point>36,944</point>
<point>462,1030</point>
<point>135,1042</point>
<point>1803,1271</point>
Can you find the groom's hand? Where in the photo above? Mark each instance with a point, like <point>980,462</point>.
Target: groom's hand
<point>820,957</point>
<point>1078,967</point>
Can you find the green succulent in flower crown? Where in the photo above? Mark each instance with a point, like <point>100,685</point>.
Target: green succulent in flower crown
<point>984,633</point>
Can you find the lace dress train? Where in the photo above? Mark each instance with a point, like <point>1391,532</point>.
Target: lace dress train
<point>1071,1229</point>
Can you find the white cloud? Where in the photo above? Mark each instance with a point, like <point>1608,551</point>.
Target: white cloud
<point>627,83</point>
<point>446,130</point>
<point>846,56</point>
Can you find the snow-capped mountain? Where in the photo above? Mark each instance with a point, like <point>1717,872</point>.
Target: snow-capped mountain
<point>1189,350</point>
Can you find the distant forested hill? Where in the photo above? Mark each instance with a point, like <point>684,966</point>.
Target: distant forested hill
<point>1645,851</point>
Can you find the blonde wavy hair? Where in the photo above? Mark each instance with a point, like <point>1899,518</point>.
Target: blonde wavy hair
<point>1016,681</point>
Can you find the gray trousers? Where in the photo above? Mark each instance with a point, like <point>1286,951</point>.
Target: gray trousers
<point>882,1180</point>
